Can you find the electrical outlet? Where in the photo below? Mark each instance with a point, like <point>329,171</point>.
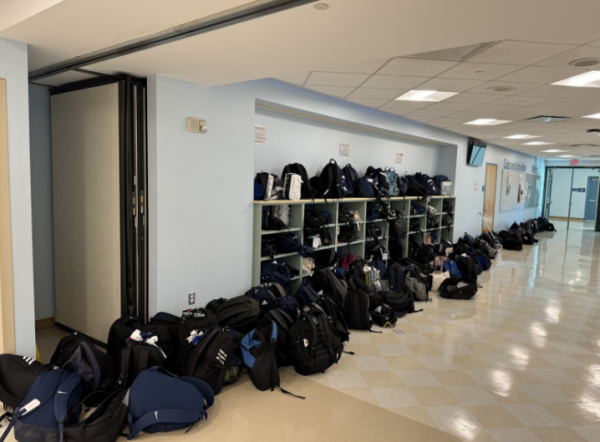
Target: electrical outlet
<point>191,298</point>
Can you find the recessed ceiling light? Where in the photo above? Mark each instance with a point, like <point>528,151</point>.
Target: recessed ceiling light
<point>585,62</point>
<point>596,116</point>
<point>566,156</point>
<point>522,137</point>
<point>321,6</point>
<point>433,96</point>
<point>536,143</point>
<point>582,80</point>
<point>546,119</point>
<point>554,151</point>
<point>487,122</point>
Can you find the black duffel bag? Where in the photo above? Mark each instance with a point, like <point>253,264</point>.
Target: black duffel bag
<point>458,288</point>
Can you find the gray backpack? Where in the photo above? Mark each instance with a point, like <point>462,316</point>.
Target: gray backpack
<point>414,283</point>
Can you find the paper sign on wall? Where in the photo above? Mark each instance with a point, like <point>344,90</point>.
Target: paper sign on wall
<point>399,157</point>
<point>260,135</point>
<point>344,150</point>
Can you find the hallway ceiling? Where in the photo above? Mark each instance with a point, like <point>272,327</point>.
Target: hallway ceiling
<point>351,51</point>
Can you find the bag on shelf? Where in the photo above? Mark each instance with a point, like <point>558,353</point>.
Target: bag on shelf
<point>52,401</point>
<point>17,374</point>
<point>289,243</point>
<point>306,191</point>
<point>398,227</point>
<point>292,186</point>
<point>330,181</point>
<point>238,312</point>
<point>308,264</point>
<point>431,212</point>
<point>439,179</point>
<point>347,260</point>
<point>160,401</point>
<point>315,346</point>
<point>458,288</point>
<point>272,185</point>
<point>366,188</point>
<point>273,271</point>
<point>416,189</point>
<point>268,246</point>
<point>447,207</point>
<point>415,224</point>
<point>428,183</point>
<point>281,215</point>
<point>372,211</point>
<point>347,234</point>
<point>259,190</point>
<point>351,178</point>
<point>210,358</point>
<point>325,258</point>
<point>392,178</point>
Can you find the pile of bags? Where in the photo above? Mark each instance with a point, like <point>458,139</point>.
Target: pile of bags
<point>523,234</point>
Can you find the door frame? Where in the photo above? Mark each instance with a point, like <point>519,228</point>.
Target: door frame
<point>597,177</point>
<point>483,209</point>
<point>7,310</point>
<point>548,168</point>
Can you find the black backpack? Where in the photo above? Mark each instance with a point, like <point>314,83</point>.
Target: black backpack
<point>213,305</point>
<point>401,301</point>
<point>97,369</point>
<point>325,280</point>
<point>467,266</point>
<point>238,313</point>
<point>17,374</point>
<point>314,344</point>
<point>511,241</point>
<point>284,324</point>
<point>416,189</point>
<point>258,350</point>
<point>170,322</point>
<point>330,181</point>
<point>458,288</point>
<point>210,357</point>
<point>351,177</point>
<point>382,314</point>
<point>120,330</point>
<point>306,191</point>
<point>356,310</point>
<point>198,320</point>
<point>428,183</point>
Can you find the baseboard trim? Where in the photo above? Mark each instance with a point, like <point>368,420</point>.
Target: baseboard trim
<point>564,218</point>
<point>40,324</point>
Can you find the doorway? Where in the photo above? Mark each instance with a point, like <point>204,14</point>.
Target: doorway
<point>489,201</point>
<point>591,199</point>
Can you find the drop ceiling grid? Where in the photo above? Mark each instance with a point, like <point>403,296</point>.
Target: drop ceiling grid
<point>529,66</point>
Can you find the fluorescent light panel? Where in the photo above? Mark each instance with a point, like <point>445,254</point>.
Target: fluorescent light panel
<point>433,96</point>
<point>536,143</point>
<point>522,137</point>
<point>595,116</point>
<point>566,156</point>
<point>487,122</point>
<point>554,151</point>
<point>587,79</point>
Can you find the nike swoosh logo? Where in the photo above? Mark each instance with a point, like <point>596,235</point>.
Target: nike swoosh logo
<point>62,392</point>
<point>156,414</point>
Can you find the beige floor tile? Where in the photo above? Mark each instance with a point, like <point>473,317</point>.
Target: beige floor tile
<point>396,349</point>
<point>395,397</point>
<point>423,350</point>
<point>513,435</point>
<point>405,363</point>
<point>494,416</point>
<point>455,420</point>
<point>534,415</point>
<point>472,395</point>
<point>364,394</point>
<point>587,359</point>
<point>440,338</point>
<point>415,413</point>
<point>414,338</point>
<point>452,378</point>
<point>469,362</point>
<point>345,363</point>
<point>454,349</point>
<point>554,376</point>
<point>346,379</point>
<point>382,379</point>
<point>433,396</point>
<point>371,363</point>
<point>363,349</point>
<point>438,362</point>
<point>557,434</point>
<point>561,360</point>
<point>591,433</point>
<point>544,393</point>
<point>576,413</point>
<point>509,394</point>
<point>482,349</point>
<point>418,378</point>
<point>384,338</point>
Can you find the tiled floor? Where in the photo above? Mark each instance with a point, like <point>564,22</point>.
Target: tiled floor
<point>519,363</point>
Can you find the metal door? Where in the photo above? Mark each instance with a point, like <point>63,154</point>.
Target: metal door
<point>591,199</point>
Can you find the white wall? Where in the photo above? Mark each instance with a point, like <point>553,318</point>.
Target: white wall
<point>40,134</point>
<point>200,205</point>
<point>562,189</point>
<point>13,67</point>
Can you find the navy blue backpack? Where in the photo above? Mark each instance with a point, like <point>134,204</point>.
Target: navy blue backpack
<point>160,401</point>
<point>265,298</point>
<point>306,294</point>
<point>484,262</point>
<point>289,243</point>
<point>428,182</point>
<point>366,188</point>
<point>395,275</point>
<point>288,304</point>
<point>439,179</point>
<point>451,267</point>
<point>41,417</point>
<point>350,176</point>
<point>273,271</point>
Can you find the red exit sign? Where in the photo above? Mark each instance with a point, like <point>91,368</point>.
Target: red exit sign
<point>574,162</point>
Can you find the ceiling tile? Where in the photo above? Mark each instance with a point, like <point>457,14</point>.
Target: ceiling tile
<point>430,113</point>
<point>406,105</point>
<point>388,94</point>
<point>563,60</point>
<point>296,78</point>
<point>493,108</point>
<point>521,53</point>
<point>468,115</point>
<point>479,71</point>
<point>550,92</point>
<point>486,88</point>
<point>540,74</point>
<point>369,67</point>
<point>394,82</point>
<point>422,119</point>
<point>449,85</point>
<point>416,67</point>
<point>593,43</point>
<point>470,98</point>
<point>340,92</point>
<point>518,100</point>
<point>444,106</point>
<point>333,79</point>
<point>369,102</point>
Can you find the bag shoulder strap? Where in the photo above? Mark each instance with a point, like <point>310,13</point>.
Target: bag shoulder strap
<point>94,364</point>
<point>165,416</point>
<point>61,398</point>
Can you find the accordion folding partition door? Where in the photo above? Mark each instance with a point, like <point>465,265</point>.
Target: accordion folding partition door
<point>99,176</point>
<point>444,220</point>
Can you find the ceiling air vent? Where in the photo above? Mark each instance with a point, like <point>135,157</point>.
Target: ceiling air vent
<point>585,62</point>
<point>460,53</point>
<point>586,145</point>
<point>502,88</point>
<point>547,119</point>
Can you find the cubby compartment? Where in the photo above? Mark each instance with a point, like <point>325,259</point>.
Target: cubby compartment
<point>357,249</point>
<point>324,207</point>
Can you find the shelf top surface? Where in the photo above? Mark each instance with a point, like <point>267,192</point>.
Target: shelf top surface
<point>345,200</point>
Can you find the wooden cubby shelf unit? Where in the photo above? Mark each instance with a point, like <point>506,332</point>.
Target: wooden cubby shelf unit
<point>358,247</point>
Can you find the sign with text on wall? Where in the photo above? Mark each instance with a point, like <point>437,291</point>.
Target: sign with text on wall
<point>260,135</point>
<point>344,150</point>
<point>399,157</point>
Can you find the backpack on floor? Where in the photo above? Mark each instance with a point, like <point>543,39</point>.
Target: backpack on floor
<point>306,294</point>
<point>467,266</point>
<point>401,301</point>
<point>451,267</point>
<point>104,424</point>
<point>306,192</point>
<point>134,360</point>
<point>395,275</point>
<point>382,314</point>
<point>288,304</point>
<point>160,401</point>
<point>284,324</point>
<point>238,312</point>
<point>415,284</point>
<point>169,322</point>
<point>211,357</point>
<point>262,295</point>
<point>120,330</point>
<point>213,305</point>
<point>17,374</point>
<point>51,402</point>
<point>458,288</point>
<point>330,181</point>
<point>258,351</point>
<point>356,310</point>
<point>351,177</point>
<point>315,345</point>
<point>192,323</point>
<point>511,241</point>
<point>98,370</point>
